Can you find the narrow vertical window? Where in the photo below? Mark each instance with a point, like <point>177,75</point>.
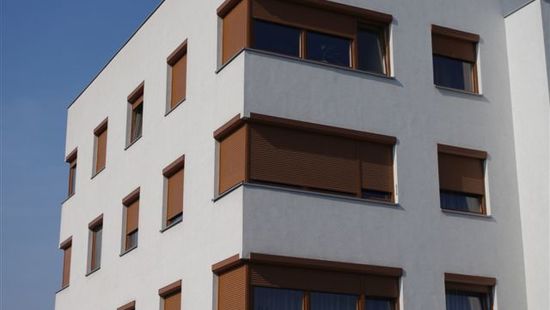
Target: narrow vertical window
<point>372,49</point>
<point>100,156</point>
<point>177,63</point>
<point>174,181</point>
<point>135,100</point>
<point>95,241</point>
<point>171,296</point>
<point>468,292</point>
<point>71,160</point>
<point>454,59</point>
<point>66,246</point>
<point>131,220</point>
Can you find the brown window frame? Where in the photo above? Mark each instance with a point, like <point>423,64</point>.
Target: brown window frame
<point>66,246</point>
<point>177,166</point>
<point>94,227</point>
<point>465,154</point>
<point>239,155</point>
<point>132,200</point>
<point>178,55</point>
<point>477,285</point>
<point>129,306</point>
<point>240,15</point>
<point>100,148</point>
<point>71,159</point>
<point>237,277</point>
<point>459,38</point>
<point>170,290</point>
<point>135,101</point>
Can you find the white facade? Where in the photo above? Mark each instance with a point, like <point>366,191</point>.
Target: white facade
<point>509,120</point>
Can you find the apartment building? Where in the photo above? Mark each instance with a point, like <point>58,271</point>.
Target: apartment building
<point>314,155</point>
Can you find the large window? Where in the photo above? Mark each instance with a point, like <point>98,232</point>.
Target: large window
<point>71,160</point>
<point>324,32</point>
<point>135,127</point>
<point>94,244</point>
<point>462,179</point>
<point>100,155</point>
<point>468,292</point>
<point>131,220</point>
<point>174,181</point>
<point>267,282</point>
<point>177,63</point>
<point>171,296</point>
<point>306,156</point>
<point>454,59</point>
<point>66,246</point>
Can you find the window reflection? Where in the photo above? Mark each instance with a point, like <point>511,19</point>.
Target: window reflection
<point>453,73</point>
<point>277,299</point>
<point>327,301</point>
<point>276,38</point>
<point>457,300</point>
<point>460,201</point>
<point>327,48</point>
<point>370,47</point>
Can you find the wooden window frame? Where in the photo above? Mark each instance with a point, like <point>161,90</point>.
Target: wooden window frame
<point>171,60</point>
<point>170,170</point>
<point>71,159</point>
<point>360,17</point>
<point>465,37</point>
<point>471,154</point>
<point>135,100</point>
<point>472,284</point>
<point>93,227</point>
<point>364,276</point>
<point>98,131</point>
<point>126,203</point>
<point>66,271</point>
<point>358,138</point>
<point>169,290</point>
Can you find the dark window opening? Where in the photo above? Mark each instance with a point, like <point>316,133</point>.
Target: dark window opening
<point>379,304</point>
<point>376,195</point>
<point>276,38</point>
<point>277,299</point>
<point>137,122</point>
<point>453,73</point>
<point>331,301</point>
<point>328,49</point>
<point>371,48</point>
<point>460,300</point>
<point>461,201</point>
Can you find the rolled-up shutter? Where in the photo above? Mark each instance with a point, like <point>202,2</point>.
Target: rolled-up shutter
<point>380,286</point>
<point>232,289</point>
<point>304,159</point>
<point>461,174</point>
<point>376,166</point>
<point>454,43</point>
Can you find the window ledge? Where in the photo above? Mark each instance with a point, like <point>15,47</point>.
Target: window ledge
<point>171,225</point>
<point>456,90</point>
<point>322,64</point>
<point>227,192</point>
<point>67,199</point>
<point>63,288</point>
<point>230,60</point>
<point>467,214</point>
<point>133,142</point>
<point>92,271</point>
<point>96,173</point>
<point>128,251</point>
<point>174,107</point>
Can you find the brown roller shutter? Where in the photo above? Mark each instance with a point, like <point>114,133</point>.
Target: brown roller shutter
<point>303,159</point>
<point>232,289</point>
<point>461,174</point>
<point>306,17</point>
<point>101,150</point>
<point>376,166</point>
<point>232,159</point>
<point>179,80</point>
<point>174,204</point>
<point>132,217</point>
<point>454,48</point>
<point>379,286</point>
<point>235,30</point>
<point>66,265</point>
<point>173,301</point>
<point>137,102</point>
<point>305,279</point>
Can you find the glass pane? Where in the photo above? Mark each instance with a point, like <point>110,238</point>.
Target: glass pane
<point>97,252</point>
<point>376,195</point>
<point>137,120</point>
<point>327,48</point>
<point>465,301</point>
<point>460,201</point>
<point>132,240</point>
<point>326,301</point>
<point>370,50</point>
<point>276,38</point>
<point>379,304</point>
<point>452,73</point>
<point>277,299</point>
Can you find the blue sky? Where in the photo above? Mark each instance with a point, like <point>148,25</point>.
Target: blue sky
<point>50,50</point>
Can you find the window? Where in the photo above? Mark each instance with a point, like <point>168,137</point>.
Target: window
<point>468,292</point>
<point>174,180</point>
<point>71,160</point>
<point>462,179</point>
<point>177,63</point>
<point>454,59</point>
<point>171,296</point>
<point>94,247</point>
<point>135,100</point>
<point>286,283</point>
<point>129,306</point>
<point>131,217</point>
<point>66,246</point>
<point>100,156</point>
<point>276,151</point>
<point>325,32</point>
